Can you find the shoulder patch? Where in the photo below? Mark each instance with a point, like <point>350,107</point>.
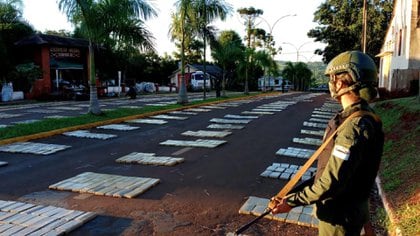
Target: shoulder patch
<point>341,152</point>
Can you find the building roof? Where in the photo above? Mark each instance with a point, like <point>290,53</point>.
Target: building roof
<point>45,39</point>
<point>210,69</point>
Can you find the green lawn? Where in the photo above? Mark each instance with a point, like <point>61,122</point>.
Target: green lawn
<point>400,165</point>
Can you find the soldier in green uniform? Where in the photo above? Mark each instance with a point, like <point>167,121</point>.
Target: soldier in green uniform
<point>348,166</point>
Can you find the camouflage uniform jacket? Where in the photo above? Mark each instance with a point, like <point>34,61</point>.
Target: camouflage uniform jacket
<point>346,169</point>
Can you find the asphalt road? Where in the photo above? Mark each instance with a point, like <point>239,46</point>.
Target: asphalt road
<point>200,196</point>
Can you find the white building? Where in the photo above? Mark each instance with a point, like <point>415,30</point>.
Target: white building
<point>399,68</point>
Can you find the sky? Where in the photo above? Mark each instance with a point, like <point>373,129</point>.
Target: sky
<point>295,19</point>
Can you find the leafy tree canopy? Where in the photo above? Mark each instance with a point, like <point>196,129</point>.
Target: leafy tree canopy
<point>341,26</point>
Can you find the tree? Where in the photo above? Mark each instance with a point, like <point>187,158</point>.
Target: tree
<point>269,66</point>
<point>299,74</point>
<point>249,14</point>
<point>108,21</point>
<point>191,19</point>
<point>341,26</point>
<point>227,50</point>
<point>181,29</point>
<point>205,12</point>
<point>12,29</point>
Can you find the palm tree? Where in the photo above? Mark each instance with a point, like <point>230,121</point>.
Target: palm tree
<point>84,13</point>
<point>227,51</point>
<point>191,19</point>
<point>179,30</point>
<point>205,12</point>
<point>264,60</point>
<point>299,74</point>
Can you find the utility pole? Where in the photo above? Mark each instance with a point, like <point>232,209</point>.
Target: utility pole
<point>364,26</point>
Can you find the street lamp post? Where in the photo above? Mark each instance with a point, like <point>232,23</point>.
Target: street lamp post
<point>297,48</point>
<point>271,27</point>
<point>271,41</point>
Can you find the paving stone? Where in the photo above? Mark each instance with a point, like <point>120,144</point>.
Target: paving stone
<point>296,152</point>
<point>225,126</point>
<point>87,134</point>
<point>167,117</point>
<point>33,148</point>
<point>118,127</point>
<point>229,121</point>
<point>106,185</point>
<point>256,206</point>
<point>149,159</point>
<point>205,133</point>
<point>286,171</point>
<point>148,121</point>
<point>46,220</point>
<point>197,143</point>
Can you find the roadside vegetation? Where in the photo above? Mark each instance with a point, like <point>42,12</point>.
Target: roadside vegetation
<point>400,165</point>
<point>59,125</point>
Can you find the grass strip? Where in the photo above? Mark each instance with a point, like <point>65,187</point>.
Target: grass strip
<point>400,163</point>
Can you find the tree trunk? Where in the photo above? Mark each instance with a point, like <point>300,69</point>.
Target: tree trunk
<point>94,107</point>
<point>182,95</point>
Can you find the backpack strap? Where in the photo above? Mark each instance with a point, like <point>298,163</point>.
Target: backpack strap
<point>293,181</point>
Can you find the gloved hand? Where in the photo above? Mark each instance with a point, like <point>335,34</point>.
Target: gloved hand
<point>278,205</point>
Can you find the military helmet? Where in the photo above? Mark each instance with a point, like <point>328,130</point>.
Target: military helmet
<point>359,65</point>
<point>362,70</point>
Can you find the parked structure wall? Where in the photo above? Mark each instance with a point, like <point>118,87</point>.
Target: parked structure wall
<point>400,54</point>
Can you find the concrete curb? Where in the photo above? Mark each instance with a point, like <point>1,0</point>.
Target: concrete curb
<point>119,120</point>
<point>387,207</point>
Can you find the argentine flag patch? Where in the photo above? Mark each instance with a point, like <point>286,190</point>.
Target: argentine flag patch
<point>341,152</point>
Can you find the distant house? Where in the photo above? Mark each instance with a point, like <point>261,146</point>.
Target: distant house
<point>399,68</point>
<point>60,58</point>
<point>213,71</point>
